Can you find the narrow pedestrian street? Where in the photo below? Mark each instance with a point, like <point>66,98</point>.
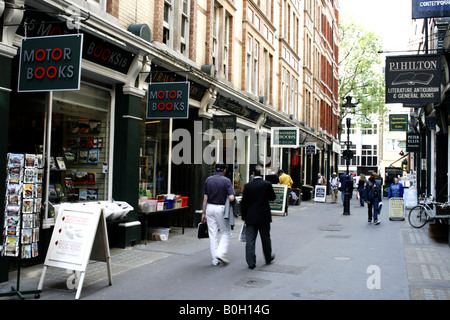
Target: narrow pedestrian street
<point>321,254</point>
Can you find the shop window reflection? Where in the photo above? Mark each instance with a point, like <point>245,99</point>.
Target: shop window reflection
<point>155,147</point>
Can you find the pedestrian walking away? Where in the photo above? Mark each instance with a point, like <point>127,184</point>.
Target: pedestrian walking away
<point>216,190</point>
<point>361,183</point>
<point>373,197</point>
<point>285,179</point>
<point>255,210</point>
<point>334,182</point>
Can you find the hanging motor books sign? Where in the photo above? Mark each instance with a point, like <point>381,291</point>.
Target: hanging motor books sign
<point>168,100</point>
<point>413,79</point>
<point>50,63</point>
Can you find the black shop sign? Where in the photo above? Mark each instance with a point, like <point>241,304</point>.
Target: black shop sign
<point>412,142</point>
<point>168,100</point>
<point>50,63</point>
<point>413,79</point>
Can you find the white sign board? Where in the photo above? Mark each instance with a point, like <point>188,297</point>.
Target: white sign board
<point>410,197</point>
<point>320,193</point>
<point>79,235</point>
<point>396,209</point>
<point>279,204</point>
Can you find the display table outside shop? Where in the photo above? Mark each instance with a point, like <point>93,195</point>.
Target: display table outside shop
<point>146,215</point>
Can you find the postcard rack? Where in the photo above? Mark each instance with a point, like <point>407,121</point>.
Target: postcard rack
<point>22,212</point>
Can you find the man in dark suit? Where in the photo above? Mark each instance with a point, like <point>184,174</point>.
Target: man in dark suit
<point>256,213</point>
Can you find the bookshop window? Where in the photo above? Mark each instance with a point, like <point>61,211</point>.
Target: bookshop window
<point>154,158</point>
<point>80,145</point>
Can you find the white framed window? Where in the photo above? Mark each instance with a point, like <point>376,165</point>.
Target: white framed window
<point>268,60</point>
<point>168,23</point>
<point>226,45</point>
<point>215,54</point>
<point>255,72</point>
<point>184,28</point>
<point>101,3</point>
<point>369,155</point>
<point>369,129</point>
<point>249,62</point>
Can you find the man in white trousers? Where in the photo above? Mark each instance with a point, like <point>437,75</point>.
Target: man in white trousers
<point>216,190</point>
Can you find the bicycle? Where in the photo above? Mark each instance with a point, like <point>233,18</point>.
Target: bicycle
<point>424,212</point>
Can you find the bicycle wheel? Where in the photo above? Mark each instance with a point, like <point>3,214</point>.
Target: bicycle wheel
<point>417,217</point>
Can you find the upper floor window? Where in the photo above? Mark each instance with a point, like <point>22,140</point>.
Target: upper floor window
<point>100,3</point>
<point>168,22</point>
<point>369,129</point>
<point>184,34</point>
<point>176,25</point>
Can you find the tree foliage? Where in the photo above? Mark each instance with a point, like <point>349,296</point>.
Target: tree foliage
<point>361,71</point>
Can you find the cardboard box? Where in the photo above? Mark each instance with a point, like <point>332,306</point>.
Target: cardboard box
<point>436,230</point>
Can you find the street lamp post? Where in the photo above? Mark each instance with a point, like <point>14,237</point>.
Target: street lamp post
<point>348,155</point>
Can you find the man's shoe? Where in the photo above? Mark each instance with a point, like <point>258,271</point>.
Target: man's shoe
<point>272,257</point>
<point>252,267</point>
<point>223,260</point>
<point>377,222</point>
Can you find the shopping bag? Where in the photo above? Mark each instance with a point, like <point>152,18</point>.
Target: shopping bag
<point>357,194</point>
<point>202,230</point>
<point>242,234</point>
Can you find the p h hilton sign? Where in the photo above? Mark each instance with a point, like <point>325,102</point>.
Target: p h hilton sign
<point>413,79</point>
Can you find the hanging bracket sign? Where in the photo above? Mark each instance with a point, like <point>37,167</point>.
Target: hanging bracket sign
<point>285,137</point>
<point>413,79</point>
<point>50,63</point>
<point>168,100</point>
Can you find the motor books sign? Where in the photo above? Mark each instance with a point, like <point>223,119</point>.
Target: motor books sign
<point>166,100</point>
<point>413,79</point>
<point>50,63</point>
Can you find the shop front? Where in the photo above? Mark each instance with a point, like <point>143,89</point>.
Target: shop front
<point>178,154</point>
<point>75,132</point>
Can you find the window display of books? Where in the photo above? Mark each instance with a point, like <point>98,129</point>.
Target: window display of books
<point>22,205</point>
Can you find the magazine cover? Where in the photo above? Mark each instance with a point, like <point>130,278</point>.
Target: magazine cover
<point>28,191</point>
<point>14,175</point>
<point>93,156</point>
<point>27,206</point>
<point>60,162</point>
<point>29,175</point>
<point>15,160</point>
<point>39,162</point>
<point>30,160</point>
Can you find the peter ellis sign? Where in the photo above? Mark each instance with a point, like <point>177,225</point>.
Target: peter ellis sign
<point>413,79</point>
<point>168,100</point>
<point>50,63</point>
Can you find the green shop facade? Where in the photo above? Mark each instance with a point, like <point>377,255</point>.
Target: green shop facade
<point>102,133</point>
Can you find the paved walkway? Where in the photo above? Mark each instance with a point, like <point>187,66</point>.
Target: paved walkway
<point>320,254</point>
